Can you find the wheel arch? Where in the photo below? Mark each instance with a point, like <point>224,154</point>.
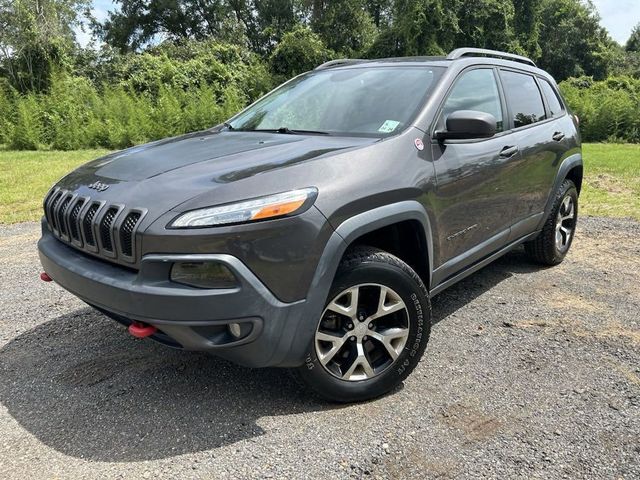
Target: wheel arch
<point>571,168</point>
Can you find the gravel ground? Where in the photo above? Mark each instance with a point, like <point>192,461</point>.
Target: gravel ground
<point>530,373</point>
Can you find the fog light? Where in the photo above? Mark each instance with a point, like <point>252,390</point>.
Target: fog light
<point>203,275</point>
<point>235,330</point>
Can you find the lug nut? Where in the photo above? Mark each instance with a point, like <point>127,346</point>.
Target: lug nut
<point>353,339</point>
<point>371,326</point>
<point>350,326</point>
<point>365,338</point>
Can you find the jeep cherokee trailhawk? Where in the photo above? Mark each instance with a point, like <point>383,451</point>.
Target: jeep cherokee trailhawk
<point>311,229</point>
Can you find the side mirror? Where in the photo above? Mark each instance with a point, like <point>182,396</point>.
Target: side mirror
<point>468,124</point>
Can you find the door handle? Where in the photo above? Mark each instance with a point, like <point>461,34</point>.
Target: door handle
<point>508,152</point>
<point>558,136</point>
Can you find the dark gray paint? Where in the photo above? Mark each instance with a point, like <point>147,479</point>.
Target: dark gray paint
<point>472,201</point>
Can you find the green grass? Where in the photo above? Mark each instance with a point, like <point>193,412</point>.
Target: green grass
<point>25,178</point>
<point>611,187</point>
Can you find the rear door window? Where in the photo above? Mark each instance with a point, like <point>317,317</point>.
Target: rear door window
<point>555,106</point>
<point>523,97</point>
<point>475,90</point>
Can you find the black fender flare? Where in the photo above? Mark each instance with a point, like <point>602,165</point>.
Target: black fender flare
<point>342,237</point>
<point>566,166</point>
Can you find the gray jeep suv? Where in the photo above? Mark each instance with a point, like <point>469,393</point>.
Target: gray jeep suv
<point>311,230</point>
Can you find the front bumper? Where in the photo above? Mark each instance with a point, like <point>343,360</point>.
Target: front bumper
<point>195,319</point>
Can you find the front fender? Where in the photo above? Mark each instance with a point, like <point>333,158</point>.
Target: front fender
<point>346,233</point>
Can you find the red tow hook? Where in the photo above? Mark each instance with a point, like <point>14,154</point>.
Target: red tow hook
<point>141,330</point>
<point>45,278</point>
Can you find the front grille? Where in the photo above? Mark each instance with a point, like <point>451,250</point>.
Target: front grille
<point>87,225</point>
<point>52,209</point>
<point>105,228</point>
<point>74,230</point>
<point>62,226</point>
<point>126,233</point>
<point>93,226</point>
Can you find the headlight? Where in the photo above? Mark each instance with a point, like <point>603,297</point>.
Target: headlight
<point>272,206</point>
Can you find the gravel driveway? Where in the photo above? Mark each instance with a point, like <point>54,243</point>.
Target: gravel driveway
<point>531,373</point>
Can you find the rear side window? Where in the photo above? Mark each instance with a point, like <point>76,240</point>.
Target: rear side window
<point>552,98</point>
<point>475,90</point>
<point>523,97</point>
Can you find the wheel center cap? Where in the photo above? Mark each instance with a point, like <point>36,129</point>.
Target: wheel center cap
<point>360,329</point>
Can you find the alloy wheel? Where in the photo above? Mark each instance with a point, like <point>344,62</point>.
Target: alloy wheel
<point>565,223</point>
<point>362,332</point>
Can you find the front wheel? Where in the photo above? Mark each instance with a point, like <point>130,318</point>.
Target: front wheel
<point>373,330</point>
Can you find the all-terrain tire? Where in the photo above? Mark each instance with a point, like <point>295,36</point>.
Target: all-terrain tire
<point>545,248</point>
<point>367,268</point>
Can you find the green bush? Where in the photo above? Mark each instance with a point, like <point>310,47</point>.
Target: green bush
<point>172,90</point>
<point>609,110</point>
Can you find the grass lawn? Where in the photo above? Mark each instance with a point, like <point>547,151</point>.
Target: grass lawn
<point>611,186</point>
<point>25,178</point>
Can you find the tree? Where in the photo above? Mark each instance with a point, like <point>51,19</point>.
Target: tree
<point>633,44</point>
<point>420,27</point>
<point>140,22</point>
<point>344,25</point>
<point>299,51</point>
<point>573,42</point>
<point>36,36</point>
<point>486,24</point>
<point>527,26</point>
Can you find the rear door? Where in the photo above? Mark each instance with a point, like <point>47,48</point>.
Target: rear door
<point>540,139</point>
<point>472,212</point>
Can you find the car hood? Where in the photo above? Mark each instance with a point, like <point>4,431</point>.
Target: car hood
<point>228,155</point>
<point>161,175</point>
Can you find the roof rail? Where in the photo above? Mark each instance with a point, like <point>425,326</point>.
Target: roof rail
<point>340,62</point>
<point>479,52</point>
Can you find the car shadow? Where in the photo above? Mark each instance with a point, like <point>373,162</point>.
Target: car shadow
<point>82,386</point>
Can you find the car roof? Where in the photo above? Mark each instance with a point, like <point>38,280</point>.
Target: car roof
<point>461,57</point>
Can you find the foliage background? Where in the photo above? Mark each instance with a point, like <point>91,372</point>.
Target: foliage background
<point>164,67</point>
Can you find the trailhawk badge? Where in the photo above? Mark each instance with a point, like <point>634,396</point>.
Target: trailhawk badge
<point>99,186</point>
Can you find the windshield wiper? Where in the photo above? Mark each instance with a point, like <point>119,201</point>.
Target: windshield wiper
<point>228,125</point>
<point>287,131</point>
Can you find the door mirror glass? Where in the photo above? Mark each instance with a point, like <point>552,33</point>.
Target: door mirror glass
<point>469,124</point>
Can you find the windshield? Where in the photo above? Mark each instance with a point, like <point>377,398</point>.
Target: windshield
<point>372,101</point>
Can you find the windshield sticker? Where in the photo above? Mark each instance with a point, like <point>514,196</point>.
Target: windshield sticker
<point>388,126</point>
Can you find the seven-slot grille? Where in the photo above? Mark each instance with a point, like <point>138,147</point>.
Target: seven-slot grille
<point>103,229</point>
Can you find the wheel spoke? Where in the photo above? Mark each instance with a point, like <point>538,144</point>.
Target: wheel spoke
<point>384,306</point>
<point>336,344</point>
<point>393,339</point>
<point>362,362</point>
<point>354,347</point>
<point>348,310</point>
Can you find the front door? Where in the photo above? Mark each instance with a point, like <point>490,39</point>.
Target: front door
<point>471,201</point>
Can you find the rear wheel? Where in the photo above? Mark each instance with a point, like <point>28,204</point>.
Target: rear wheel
<point>553,243</point>
<point>373,330</point>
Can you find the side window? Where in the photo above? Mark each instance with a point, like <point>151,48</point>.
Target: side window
<point>552,98</point>
<point>475,90</point>
<point>523,97</point>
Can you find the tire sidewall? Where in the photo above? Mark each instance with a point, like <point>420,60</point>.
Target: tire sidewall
<point>568,188</point>
<point>416,299</point>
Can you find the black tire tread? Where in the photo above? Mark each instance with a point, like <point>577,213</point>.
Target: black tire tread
<point>539,249</point>
<point>352,258</point>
